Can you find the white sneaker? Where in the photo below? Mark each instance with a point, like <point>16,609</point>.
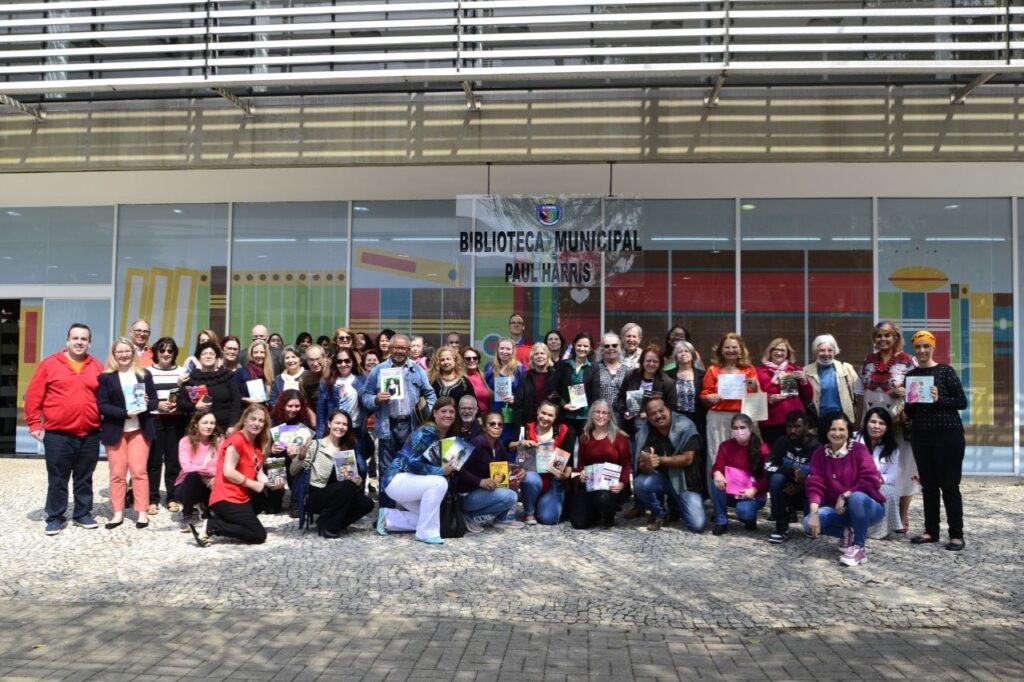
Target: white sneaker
<point>473,525</point>
<point>513,524</point>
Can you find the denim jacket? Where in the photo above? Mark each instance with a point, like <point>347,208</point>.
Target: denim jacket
<point>680,432</point>
<point>330,400</point>
<point>416,456</point>
<point>416,385</point>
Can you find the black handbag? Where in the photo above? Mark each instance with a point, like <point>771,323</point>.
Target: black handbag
<point>453,522</point>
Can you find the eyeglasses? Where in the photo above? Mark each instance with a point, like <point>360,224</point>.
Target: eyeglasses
<point>342,337</point>
<point>165,351</point>
<point>471,358</point>
<point>495,423</point>
<point>343,361</point>
<point>611,345</point>
<point>143,332</point>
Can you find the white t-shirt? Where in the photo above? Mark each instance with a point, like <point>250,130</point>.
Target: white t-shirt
<point>128,381</point>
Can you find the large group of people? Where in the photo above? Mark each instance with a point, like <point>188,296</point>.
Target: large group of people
<point>579,432</point>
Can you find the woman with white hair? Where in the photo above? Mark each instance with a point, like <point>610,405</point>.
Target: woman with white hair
<point>833,380</point>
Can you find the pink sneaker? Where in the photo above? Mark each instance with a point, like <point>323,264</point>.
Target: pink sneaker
<point>854,556</point>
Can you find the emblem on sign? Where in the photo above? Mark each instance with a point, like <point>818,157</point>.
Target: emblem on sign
<point>549,212</point>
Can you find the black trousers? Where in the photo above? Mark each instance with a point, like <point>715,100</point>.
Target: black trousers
<point>163,453</point>
<point>239,521</point>
<point>586,509</point>
<point>338,505</point>
<point>940,461</point>
<point>191,492</point>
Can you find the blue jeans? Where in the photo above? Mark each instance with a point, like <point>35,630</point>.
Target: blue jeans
<point>746,510</point>
<point>861,513</point>
<point>547,507</point>
<point>496,503</point>
<point>67,454</point>
<point>782,504</point>
<point>649,489</point>
<point>387,448</point>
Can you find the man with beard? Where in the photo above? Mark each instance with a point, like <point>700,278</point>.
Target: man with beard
<point>787,468</point>
<point>665,454</point>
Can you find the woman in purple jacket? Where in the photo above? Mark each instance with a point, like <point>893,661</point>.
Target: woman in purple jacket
<point>844,490</point>
<point>484,501</point>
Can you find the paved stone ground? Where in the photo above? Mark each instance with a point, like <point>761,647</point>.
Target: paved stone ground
<point>540,603</point>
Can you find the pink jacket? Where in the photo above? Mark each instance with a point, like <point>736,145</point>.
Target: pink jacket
<point>203,461</point>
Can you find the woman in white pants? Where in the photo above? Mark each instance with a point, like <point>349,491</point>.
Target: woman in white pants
<point>416,478</point>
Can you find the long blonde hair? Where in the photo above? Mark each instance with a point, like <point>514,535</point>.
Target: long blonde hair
<point>510,368</point>
<point>262,441</point>
<point>112,366</point>
<point>268,362</point>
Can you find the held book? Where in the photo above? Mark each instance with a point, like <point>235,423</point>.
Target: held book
<point>919,389</point>
<point>257,390</point>
<point>455,451</point>
<point>634,400</point>
<point>543,454</point>
<point>285,434</point>
<point>601,476</point>
<point>274,468</point>
<point>503,388</point>
<point>345,467</point>
<point>135,398</point>
<point>577,396</point>
<point>499,474</point>
<point>788,385</point>
<point>392,382</point>
<point>197,393</point>
<point>737,480</point>
<point>526,457</point>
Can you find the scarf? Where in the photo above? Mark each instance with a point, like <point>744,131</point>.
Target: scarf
<point>255,370</point>
<point>779,370</point>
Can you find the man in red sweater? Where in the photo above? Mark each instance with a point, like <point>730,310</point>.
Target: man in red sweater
<point>61,399</point>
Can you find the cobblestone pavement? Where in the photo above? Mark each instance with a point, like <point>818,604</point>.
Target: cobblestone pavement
<point>647,605</point>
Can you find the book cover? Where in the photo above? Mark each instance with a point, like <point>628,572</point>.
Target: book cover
<point>577,396</point>
<point>788,386</point>
<point>601,476</point>
<point>197,393</point>
<point>455,451</point>
<point>273,467</point>
<point>732,386</point>
<point>633,400</point>
<point>526,457</point>
<point>542,456</point>
<point>919,389</point>
<point>257,390</point>
<point>172,396</point>
<point>392,382</point>
<point>737,480</point>
<point>284,434</point>
<point>503,388</point>
<point>499,473</point>
<point>135,398</point>
<point>345,467</point>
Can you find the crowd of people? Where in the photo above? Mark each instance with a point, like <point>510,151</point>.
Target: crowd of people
<point>581,432</point>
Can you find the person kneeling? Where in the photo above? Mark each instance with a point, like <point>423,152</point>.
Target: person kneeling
<point>665,448</point>
<point>335,477</point>
<point>483,500</point>
<point>739,476</point>
<point>239,488</point>
<point>844,490</point>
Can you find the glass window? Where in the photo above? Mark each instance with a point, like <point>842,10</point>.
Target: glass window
<point>172,269</point>
<point>685,274</point>
<point>66,245</point>
<point>946,265</point>
<point>807,271</point>
<point>289,265</point>
<point>407,273</point>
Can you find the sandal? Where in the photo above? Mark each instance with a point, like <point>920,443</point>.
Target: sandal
<point>922,539</point>
<point>202,539</point>
<point>956,545</point>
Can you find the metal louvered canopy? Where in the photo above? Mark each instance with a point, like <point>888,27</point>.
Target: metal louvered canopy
<point>83,49</point>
